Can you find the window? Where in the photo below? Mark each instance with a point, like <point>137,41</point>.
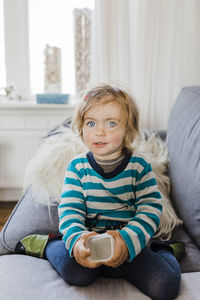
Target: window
<point>29,27</point>
<point>51,23</point>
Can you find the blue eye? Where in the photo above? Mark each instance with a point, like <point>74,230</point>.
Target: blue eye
<point>91,124</point>
<point>112,124</point>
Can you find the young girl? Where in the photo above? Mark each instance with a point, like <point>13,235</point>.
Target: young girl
<point>111,189</point>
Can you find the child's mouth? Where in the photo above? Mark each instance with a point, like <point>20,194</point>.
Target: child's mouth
<point>100,144</point>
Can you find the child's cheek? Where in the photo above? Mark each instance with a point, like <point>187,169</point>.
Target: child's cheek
<point>118,137</point>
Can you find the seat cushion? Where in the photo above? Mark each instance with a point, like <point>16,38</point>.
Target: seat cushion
<point>24,277</point>
<point>184,157</point>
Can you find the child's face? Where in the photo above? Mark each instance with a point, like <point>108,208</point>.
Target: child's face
<point>103,129</point>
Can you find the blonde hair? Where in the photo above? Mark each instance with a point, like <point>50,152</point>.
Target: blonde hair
<point>105,94</point>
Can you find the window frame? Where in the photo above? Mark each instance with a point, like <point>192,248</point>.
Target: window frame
<point>16,32</point>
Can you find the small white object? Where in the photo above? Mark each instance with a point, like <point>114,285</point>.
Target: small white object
<point>101,247</point>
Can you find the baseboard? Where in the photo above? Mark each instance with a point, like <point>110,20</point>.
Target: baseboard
<point>10,194</point>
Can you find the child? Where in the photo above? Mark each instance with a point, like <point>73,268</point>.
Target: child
<point>111,189</point>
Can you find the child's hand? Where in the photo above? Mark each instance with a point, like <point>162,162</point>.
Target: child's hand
<point>120,252</point>
<point>81,253</point>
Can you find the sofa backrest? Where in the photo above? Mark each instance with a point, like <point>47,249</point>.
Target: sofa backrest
<point>183,141</point>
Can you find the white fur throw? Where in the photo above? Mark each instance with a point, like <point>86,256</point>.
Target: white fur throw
<point>46,170</point>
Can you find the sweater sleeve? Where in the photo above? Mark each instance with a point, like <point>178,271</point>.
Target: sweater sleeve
<point>72,209</point>
<point>148,207</point>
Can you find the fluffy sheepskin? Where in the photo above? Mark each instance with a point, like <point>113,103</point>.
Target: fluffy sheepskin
<point>46,170</point>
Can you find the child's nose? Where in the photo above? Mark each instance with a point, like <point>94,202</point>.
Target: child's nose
<point>100,130</point>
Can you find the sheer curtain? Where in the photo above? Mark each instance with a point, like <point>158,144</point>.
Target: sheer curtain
<point>150,47</point>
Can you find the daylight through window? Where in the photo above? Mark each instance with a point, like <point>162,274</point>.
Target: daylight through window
<point>51,24</point>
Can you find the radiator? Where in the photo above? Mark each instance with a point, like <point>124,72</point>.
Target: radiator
<point>22,128</point>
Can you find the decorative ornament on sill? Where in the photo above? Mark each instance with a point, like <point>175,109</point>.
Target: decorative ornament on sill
<point>9,93</point>
<point>52,77</point>
<point>82,32</point>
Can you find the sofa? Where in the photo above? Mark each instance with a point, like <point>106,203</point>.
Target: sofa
<point>23,277</point>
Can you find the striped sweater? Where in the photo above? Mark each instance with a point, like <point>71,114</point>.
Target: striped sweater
<point>129,194</point>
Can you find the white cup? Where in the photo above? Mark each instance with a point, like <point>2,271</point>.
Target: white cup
<point>101,247</point>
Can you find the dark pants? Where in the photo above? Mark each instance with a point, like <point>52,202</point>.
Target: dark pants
<point>156,274</point>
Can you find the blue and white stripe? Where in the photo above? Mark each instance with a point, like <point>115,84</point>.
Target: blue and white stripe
<point>130,196</point>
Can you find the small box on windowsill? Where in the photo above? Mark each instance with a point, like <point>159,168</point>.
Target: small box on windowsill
<point>52,98</point>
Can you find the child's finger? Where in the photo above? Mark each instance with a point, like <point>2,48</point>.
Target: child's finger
<point>87,263</point>
<point>83,251</point>
<point>92,265</point>
<point>120,255</point>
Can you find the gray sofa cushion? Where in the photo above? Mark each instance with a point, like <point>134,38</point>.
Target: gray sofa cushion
<point>36,279</point>
<point>28,218</point>
<point>184,157</point>
<point>41,281</point>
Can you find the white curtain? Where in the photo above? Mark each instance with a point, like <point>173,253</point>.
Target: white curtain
<point>150,47</point>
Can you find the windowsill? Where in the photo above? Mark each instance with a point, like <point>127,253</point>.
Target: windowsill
<point>32,104</point>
